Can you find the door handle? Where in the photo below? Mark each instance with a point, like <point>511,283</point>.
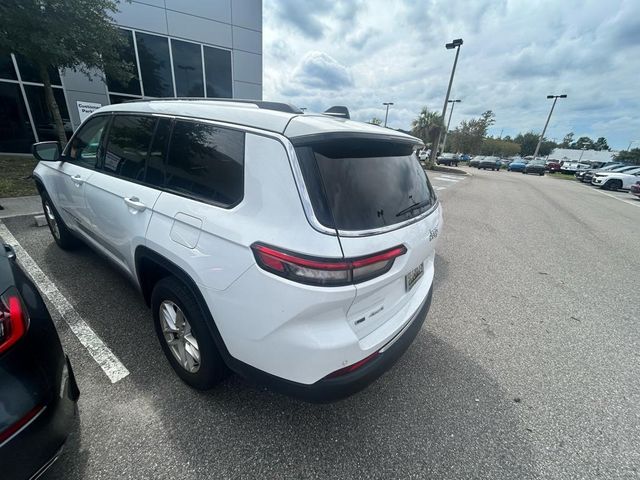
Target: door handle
<point>77,179</point>
<point>135,203</point>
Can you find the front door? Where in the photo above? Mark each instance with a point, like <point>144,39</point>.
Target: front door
<point>120,195</point>
<point>80,160</point>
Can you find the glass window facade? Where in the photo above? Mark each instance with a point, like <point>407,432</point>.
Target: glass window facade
<point>29,72</point>
<point>187,64</point>
<point>7,69</point>
<point>128,55</point>
<point>42,119</point>
<point>16,134</point>
<point>217,67</point>
<point>155,65</point>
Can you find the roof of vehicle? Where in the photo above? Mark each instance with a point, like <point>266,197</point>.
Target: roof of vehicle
<point>271,116</point>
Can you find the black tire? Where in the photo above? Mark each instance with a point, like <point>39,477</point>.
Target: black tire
<point>59,231</point>
<point>613,185</point>
<point>212,369</point>
<point>523,172</point>
<point>541,174</point>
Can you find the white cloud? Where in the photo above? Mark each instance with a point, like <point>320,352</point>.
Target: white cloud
<point>319,53</point>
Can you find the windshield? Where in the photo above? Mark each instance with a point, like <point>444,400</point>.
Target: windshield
<point>358,184</point>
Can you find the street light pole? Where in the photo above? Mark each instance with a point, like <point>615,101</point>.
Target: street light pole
<point>555,99</point>
<point>454,44</point>
<point>386,115</point>
<point>446,132</point>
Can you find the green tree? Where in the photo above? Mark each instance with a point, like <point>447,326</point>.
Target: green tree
<point>567,140</point>
<point>631,156</point>
<point>375,121</point>
<point>583,142</point>
<point>501,148</point>
<point>601,144</point>
<point>75,34</point>
<point>427,127</point>
<point>469,135</point>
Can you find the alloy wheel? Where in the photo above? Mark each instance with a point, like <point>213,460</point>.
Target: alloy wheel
<point>51,220</point>
<point>179,336</point>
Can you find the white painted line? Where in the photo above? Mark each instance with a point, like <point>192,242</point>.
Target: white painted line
<point>453,177</point>
<point>445,179</point>
<point>439,188</point>
<point>635,203</point>
<point>109,363</point>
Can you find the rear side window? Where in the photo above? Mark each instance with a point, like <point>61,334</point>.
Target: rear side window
<point>363,184</point>
<point>128,146</point>
<point>206,162</point>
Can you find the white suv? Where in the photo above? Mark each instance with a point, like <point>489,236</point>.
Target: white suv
<point>294,249</point>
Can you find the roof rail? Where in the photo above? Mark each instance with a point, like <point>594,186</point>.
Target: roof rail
<point>277,106</point>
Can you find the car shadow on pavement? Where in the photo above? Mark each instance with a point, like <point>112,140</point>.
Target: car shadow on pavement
<point>435,414</point>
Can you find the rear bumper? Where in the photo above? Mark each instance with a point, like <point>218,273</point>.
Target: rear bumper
<point>34,448</point>
<point>333,389</point>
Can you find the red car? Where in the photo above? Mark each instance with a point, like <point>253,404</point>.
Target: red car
<point>552,167</point>
<point>635,189</point>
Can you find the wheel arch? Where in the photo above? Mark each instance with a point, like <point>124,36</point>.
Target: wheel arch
<point>151,267</point>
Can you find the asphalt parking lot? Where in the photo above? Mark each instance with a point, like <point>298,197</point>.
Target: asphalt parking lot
<point>527,365</point>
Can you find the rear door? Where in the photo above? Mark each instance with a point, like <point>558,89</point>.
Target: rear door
<point>379,197</point>
<point>120,195</point>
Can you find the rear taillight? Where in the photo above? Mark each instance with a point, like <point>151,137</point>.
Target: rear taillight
<point>324,271</point>
<point>13,319</point>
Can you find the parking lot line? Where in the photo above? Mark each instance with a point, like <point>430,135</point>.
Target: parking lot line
<point>112,367</point>
<point>635,203</point>
<point>445,179</point>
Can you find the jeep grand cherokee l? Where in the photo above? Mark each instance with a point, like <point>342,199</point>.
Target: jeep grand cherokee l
<point>294,249</point>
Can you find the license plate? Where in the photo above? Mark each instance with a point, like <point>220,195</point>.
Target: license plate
<point>413,276</point>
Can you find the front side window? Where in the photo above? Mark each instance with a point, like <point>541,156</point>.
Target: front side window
<point>363,184</point>
<point>84,148</point>
<point>128,146</point>
<point>206,162</point>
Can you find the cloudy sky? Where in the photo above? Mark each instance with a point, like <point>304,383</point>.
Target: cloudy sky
<point>358,53</point>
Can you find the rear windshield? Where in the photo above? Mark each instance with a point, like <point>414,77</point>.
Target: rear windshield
<point>361,184</point>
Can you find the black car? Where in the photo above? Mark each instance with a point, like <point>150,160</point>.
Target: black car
<point>535,166</point>
<point>38,392</point>
<point>448,159</point>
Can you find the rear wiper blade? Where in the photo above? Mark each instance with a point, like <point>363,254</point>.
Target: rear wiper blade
<point>421,204</point>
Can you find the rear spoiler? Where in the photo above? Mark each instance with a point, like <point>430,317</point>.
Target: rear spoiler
<point>338,111</point>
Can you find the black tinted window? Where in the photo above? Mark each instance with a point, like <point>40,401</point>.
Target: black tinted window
<point>206,161</point>
<point>128,145</point>
<point>155,164</point>
<point>127,54</point>
<point>365,184</point>
<point>84,148</point>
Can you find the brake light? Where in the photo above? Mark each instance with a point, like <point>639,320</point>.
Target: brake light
<point>13,319</point>
<point>323,271</point>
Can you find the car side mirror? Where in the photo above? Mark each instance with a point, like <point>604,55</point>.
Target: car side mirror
<point>46,151</point>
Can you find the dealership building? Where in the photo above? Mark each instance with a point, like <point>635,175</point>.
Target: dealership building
<point>179,48</point>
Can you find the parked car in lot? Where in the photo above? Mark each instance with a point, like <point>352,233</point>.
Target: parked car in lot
<point>464,157</point>
<point>635,189</point>
<point>573,167</point>
<point>204,204</point>
<point>616,180</point>
<point>492,163</point>
<point>587,175</point>
<point>423,154</point>
<point>517,166</point>
<point>504,162</point>
<point>535,166</point>
<point>475,161</point>
<point>38,392</point>
<point>448,159</point>
<point>552,166</point>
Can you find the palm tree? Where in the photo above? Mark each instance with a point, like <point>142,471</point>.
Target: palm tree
<point>427,127</point>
